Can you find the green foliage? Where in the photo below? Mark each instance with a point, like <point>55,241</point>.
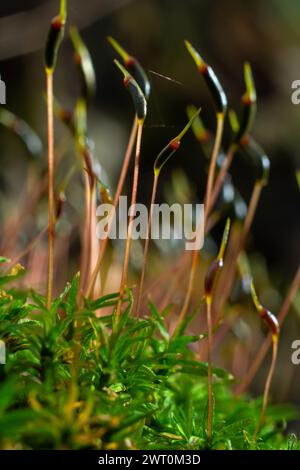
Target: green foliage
<point>69,383</point>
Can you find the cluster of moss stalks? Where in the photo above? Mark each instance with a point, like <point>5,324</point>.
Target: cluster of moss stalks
<point>77,377</point>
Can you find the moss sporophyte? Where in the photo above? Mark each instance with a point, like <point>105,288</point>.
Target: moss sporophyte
<point>125,357</point>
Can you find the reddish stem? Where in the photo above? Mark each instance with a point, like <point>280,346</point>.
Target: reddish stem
<point>131,218</point>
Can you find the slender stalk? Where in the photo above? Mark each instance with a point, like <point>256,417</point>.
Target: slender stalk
<point>55,37</point>
<point>160,161</point>
<point>119,190</point>
<point>250,214</point>
<point>208,301</point>
<point>131,217</point>
<point>224,292</point>
<point>180,266</point>
<point>221,176</point>
<point>195,253</point>
<point>146,247</point>
<point>274,327</point>
<point>49,76</point>
<point>94,245</point>
<point>212,166</point>
<point>267,386</point>
<point>261,354</point>
<point>85,257</point>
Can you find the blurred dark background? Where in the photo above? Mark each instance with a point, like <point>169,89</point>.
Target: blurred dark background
<point>227,33</point>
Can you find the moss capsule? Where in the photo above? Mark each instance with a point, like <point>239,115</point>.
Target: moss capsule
<point>134,66</point>
<point>55,37</point>
<point>211,276</point>
<point>210,78</point>
<point>259,160</point>
<point>265,314</point>
<point>136,93</point>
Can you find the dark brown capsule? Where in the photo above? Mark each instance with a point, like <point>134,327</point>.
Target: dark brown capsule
<point>215,88</point>
<point>210,78</point>
<point>137,98</point>
<point>140,75</point>
<point>264,313</point>
<point>211,276</point>
<point>271,320</point>
<point>134,66</point>
<point>258,158</point>
<point>136,93</point>
<point>54,40</point>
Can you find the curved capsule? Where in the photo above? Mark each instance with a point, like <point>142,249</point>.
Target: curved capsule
<point>134,66</point>
<point>136,93</point>
<point>259,159</point>
<point>265,314</point>
<point>249,105</point>
<point>173,145</point>
<point>84,61</point>
<point>30,139</point>
<point>55,37</point>
<point>141,77</point>
<point>211,276</point>
<point>210,78</point>
<point>271,321</point>
<point>217,263</point>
